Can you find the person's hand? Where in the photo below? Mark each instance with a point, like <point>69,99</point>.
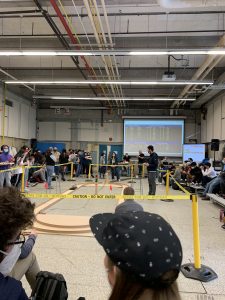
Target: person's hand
<point>146,164</point>
<point>34,232</point>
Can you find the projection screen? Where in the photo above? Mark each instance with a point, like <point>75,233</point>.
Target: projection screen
<point>167,136</point>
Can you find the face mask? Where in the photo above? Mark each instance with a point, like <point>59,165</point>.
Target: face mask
<point>6,150</point>
<point>10,260</point>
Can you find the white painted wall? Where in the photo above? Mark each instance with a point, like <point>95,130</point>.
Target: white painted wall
<point>20,119</point>
<point>94,132</point>
<point>54,131</point>
<point>213,127</point>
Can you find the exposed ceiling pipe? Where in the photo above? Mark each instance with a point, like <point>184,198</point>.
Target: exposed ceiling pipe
<point>69,32</point>
<point>203,71</point>
<point>72,38</point>
<point>13,14</point>
<point>190,3</point>
<point>108,58</point>
<point>110,39</point>
<point>91,47</point>
<point>61,38</point>
<point>209,94</point>
<point>14,78</point>
<point>98,41</point>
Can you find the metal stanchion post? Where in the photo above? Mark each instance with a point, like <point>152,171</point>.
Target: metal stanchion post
<point>167,187</point>
<point>132,174</point>
<point>71,172</point>
<point>167,182</point>
<point>89,174</point>
<point>196,270</point>
<point>23,180</point>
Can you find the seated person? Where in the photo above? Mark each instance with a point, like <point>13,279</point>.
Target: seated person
<point>143,255</point>
<point>195,173</point>
<point>213,186</point>
<point>208,173</point>
<point>177,177</point>
<point>16,213</point>
<point>27,263</point>
<point>39,175</point>
<point>128,205</point>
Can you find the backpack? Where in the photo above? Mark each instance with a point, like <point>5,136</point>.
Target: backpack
<point>49,286</point>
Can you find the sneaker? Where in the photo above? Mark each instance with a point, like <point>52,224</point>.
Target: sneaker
<point>205,198</point>
<point>26,190</point>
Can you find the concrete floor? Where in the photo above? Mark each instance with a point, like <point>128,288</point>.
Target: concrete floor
<point>80,259</point>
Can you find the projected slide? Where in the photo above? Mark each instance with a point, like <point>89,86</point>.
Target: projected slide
<point>165,135</point>
<point>194,151</point>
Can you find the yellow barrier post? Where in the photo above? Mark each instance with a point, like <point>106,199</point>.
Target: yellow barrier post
<point>167,182</point>
<point>196,270</point>
<point>71,173</point>
<point>132,174</point>
<point>195,218</point>
<point>89,173</point>
<point>167,187</point>
<point>23,180</point>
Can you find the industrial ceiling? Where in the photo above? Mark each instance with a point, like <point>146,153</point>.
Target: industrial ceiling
<point>128,25</point>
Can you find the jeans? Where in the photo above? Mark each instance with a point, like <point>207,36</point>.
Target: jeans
<point>140,169</point>
<point>50,171</point>
<point>151,182</point>
<point>211,186</point>
<point>5,177</point>
<point>115,172</point>
<point>78,170</point>
<point>28,267</point>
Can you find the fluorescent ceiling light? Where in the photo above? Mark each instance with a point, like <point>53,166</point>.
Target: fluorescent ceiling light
<point>114,99</point>
<point>108,82</point>
<point>80,107</point>
<point>118,52</point>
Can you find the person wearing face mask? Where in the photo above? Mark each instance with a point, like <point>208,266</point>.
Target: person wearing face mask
<point>16,213</point>
<point>5,161</point>
<point>143,255</point>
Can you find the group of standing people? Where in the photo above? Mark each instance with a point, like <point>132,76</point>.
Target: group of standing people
<point>151,162</point>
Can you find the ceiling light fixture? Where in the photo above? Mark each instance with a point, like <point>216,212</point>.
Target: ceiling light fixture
<point>118,52</point>
<point>108,82</point>
<point>113,99</point>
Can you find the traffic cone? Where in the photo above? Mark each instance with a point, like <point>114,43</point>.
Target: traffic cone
<point>46,185</point>
<point>110,188</point>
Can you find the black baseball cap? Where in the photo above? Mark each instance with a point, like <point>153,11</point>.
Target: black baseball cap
<point>140,243</point>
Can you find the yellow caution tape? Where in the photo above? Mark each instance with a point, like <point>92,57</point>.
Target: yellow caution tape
<point>180,186</point>
<point>9,170</point>
<point>109,196</point>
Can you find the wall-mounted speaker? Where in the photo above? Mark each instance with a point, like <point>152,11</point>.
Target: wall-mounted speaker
<point>215,145</point>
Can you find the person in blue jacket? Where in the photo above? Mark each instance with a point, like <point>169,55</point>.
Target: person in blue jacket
<point>16,213</point>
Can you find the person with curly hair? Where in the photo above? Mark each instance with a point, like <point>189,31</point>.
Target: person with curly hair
<point>16,214</point>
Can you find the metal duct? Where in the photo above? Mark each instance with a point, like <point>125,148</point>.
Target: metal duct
<point>190,3</point>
